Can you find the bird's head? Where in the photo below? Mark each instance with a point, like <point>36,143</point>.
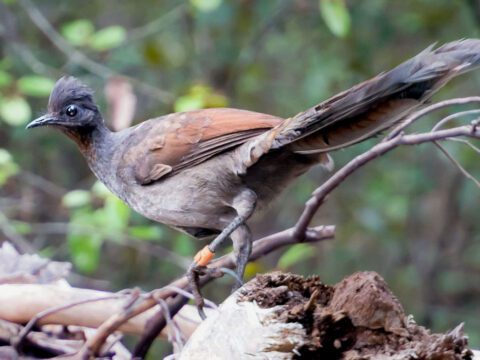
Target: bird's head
<point>70,107</point>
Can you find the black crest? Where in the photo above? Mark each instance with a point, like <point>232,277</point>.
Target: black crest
<point>69,89</point>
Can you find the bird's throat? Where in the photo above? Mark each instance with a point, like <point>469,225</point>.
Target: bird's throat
<point>88,139</point>
<point>98,147</point>
<point>95,143</point>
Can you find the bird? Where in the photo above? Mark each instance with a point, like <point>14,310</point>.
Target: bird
<point>206,172</point>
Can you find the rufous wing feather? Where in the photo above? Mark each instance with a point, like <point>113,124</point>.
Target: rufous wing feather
<point>165,145</point>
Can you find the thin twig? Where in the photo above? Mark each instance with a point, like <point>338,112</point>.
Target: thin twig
<point>189,295</point>
<point>457,164</point>
<point>468,143</point>
<point>156,25</point>
<point>46,343</point>
<point>178,337</point>
<point>43,184</point>
<point>453,117</point>
<point>14,236</point>
<point>429,109</point>
<point>156,325</point>
<point>45,313</point>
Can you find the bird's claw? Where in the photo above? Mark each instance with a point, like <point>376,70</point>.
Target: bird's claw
<point>193,275</point>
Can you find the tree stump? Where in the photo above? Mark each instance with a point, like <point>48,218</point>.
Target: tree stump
<point>286,316</point>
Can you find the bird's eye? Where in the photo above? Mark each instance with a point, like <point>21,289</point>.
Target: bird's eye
<point>71,110</point>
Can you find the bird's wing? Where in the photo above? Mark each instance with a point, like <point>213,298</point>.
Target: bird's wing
<point>165,145</point>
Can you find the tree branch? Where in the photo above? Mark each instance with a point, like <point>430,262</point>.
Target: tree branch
<point>319,195</point>
<point>260,248</point>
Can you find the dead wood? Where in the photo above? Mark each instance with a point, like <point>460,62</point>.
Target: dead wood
<point>286,316</point>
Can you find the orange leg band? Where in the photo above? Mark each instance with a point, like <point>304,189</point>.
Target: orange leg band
<point>204,256</point>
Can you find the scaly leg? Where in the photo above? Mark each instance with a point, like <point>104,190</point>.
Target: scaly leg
<point>242,247</point>
<point>244,204</point>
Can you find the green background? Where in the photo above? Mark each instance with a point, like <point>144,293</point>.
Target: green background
<point>409,215</point>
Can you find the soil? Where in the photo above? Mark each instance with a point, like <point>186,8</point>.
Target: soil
<point>358,318</point>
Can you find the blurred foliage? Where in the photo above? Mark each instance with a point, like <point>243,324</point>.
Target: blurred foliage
<point>7,166</point>
<point>199,96</point>
<point>409,215</point>
<point>336,16</point>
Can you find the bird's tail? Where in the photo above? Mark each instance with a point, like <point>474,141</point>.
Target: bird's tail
<point>379,103</point>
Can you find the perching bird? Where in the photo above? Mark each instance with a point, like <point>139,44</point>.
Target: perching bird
<point>205,172</point>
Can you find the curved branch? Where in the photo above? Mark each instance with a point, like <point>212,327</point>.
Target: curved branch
<point>319,195</point>
<point>429,109</point>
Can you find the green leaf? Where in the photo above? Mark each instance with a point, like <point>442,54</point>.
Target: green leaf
<point>115,215</point>
<point>22,227</point>
<point>78,32</point>
<point>5,157</point>
<point>7,166</point>
<point>5,63</point>
<point>34,85</point>
<point>200,96</point>
<point>108,38</point>
<point>146,232</point>
<point>15,110</point>
<point>5,79</point>
<point>85,251</point>
<point>100,190</point>
<point>76,198</point>
<point>206,5</point>
<point>83,241</point>
<point>336,16</point>
<point>48,252</point>
<point>187,103</point>
<point>183,245</point>
<point>295,254</point>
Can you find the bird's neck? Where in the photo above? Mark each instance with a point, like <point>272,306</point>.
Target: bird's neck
<point>96,144</point>
<point>90,140</point>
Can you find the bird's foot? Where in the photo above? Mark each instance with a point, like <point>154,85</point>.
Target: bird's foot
<point>199,268</point>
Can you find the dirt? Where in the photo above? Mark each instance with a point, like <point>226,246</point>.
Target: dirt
<point>358,318</point>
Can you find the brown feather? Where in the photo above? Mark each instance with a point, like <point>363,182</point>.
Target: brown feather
<point>177,141</point>
<point>353,130</point>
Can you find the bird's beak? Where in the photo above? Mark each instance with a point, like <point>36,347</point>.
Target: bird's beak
<point>42,121</point>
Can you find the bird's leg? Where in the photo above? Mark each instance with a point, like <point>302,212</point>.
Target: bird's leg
<point>242,247</point>
<point>244,204</point>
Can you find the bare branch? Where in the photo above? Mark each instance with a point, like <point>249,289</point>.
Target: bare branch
<point>56,309</point>
<point>11,233</point>
<point>468,143</point>
<point>429,109</point>
<point>156,25</point>
<point>453,117</point>
<point>157,323</point>
<point>319,195</point>
<point>457,164</point>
